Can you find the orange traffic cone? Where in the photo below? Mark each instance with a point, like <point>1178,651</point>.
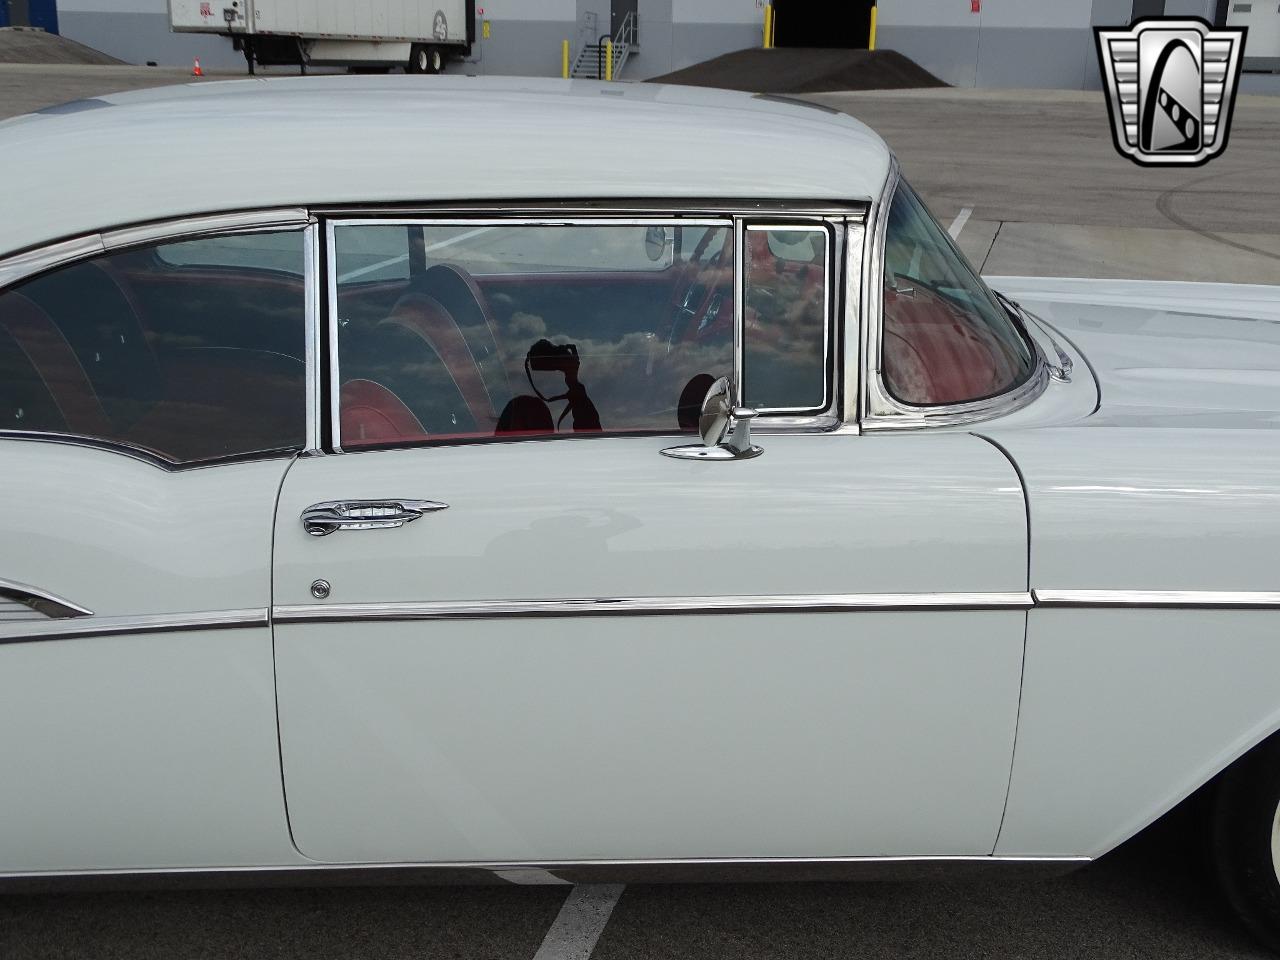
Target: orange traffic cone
<point>195,69</point>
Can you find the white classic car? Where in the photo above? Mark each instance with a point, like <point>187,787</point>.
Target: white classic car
<point>558,481</point>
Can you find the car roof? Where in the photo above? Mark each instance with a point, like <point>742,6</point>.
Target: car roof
<point>208,147</point>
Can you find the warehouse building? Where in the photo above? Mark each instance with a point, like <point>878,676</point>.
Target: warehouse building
<point>985,43</point>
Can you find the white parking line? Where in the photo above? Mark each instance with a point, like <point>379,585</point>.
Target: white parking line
<point>531,875</point>
<point>580,922</point>
<point>958,223</point>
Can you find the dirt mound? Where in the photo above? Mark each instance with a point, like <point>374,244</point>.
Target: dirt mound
<point>24,45</point>
<point>805,70</point>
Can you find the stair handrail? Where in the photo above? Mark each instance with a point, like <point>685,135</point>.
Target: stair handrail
<point>624,41</point>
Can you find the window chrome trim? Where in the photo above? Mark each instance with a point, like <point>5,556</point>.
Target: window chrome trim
<point>828,231</point>
<point>42,601</point>
<point>739,308</point>
<point>253,221</point>
<point>850,323</point>
<point>20,266</point>
<point>646,606</point>
<point>1155,599</point>
<point>26,631</point>
<point>577,213</point>
<point>313,270</point>
<point>334,412</point>
<point>881,410</point>
<point>682,208</point>
<point>23,265</point>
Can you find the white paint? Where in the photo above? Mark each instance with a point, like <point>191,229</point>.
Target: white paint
<point>958,224</point>
<point>580,922</point>
<point>147,540</point>
<point>140,752</point>
<point>576,138</point>
<point>1126,712</point>
<point>630,737</point>
<point>717,11</point>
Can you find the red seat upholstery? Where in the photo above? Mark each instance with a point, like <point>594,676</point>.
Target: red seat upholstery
<point>373,414</point>
<point>934,353</point>
<point>425,317</point>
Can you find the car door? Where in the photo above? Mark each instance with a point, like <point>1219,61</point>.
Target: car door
<point>508,628</point>
<point>152,397</point>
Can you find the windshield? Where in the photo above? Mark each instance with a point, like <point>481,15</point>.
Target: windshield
<point>946,338</point>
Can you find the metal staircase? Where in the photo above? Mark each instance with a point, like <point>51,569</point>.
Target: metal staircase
<point>591,63</point>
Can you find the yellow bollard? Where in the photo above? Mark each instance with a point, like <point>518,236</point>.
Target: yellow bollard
<point>564,60</point>
<point>608,59</point>
<point>871,39</point>
<point>768,24</point>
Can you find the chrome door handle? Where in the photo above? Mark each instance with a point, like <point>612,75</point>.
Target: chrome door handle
<point>322,519</point>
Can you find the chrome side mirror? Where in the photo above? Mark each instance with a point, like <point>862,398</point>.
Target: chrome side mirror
<point>718,416</point>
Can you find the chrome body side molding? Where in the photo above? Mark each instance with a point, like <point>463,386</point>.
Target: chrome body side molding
<point>28,631</point>
<point>76,622</point>
<point>40,603</point>
<point>1177,599</point>
<point>648,606</point>
<point>737,870</point>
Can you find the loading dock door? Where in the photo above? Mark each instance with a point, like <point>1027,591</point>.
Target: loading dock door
<point>618,11</point>
<point>803,23</point>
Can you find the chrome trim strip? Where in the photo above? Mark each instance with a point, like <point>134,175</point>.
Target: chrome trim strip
<point>331,289</point>
<point>739,310</point>
<point>566,219</point>
<point>42,601</point>
<point>1177,599</point>
<point>23,265</point>
<point>646,606</point>
<point>481,871</point>
<point>313,271</point>
<point>29,632</point>
<point>849,331</point>
<point>646,209</point>
<point>245,222</point>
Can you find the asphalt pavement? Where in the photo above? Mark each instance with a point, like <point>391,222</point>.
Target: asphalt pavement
<point>1026,167</point>
<point>1149,899</point>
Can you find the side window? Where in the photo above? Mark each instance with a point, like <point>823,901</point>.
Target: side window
<point>785,341</point>
<point>946,339</point>
<point>165,348</point>
<point>455,332</point>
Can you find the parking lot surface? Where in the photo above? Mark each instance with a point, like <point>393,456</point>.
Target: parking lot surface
<point>1044,193</point>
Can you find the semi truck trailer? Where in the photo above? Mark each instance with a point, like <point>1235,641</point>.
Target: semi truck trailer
<point>417,35</point>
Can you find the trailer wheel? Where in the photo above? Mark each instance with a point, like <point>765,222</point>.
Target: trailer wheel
<point>424,58</point>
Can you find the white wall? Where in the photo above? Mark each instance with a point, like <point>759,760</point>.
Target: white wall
<point>114,6</point>
<point>994,13</point>
<point>717,11</point>
<point>527,10</point>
